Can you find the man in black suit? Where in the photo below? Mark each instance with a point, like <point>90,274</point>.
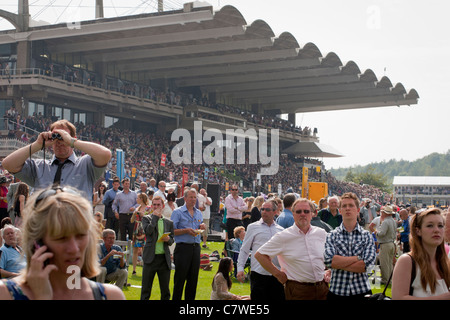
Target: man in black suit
<point>156,255</point>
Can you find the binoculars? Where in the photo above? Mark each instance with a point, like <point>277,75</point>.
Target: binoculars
<point>56,135</point>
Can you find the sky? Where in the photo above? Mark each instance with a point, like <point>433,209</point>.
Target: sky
<point>405,40</point>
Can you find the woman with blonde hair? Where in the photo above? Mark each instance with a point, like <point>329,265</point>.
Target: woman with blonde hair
<point>256,208</point>
<point>60,244</point>
<point>424,273</point>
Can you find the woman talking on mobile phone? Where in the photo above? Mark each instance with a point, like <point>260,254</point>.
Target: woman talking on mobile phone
<point>60,245</point>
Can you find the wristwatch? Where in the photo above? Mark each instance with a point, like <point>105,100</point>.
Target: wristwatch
<point>72,142</point>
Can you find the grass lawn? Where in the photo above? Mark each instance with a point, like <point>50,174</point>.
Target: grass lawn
<point>205,278</point>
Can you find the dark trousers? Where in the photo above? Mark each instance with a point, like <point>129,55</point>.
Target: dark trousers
<point>125,226</point>
<point>356,297</point>
<point>186,258</point>
<point>113,223</point>
<point>264,287</point>
<point>231,224</point>
<point>306,291</point>
<point>158,266</point>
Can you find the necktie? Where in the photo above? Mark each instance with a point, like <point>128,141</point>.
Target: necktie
<point>57,179</point>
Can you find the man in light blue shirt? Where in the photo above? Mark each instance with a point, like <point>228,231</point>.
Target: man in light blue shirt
<point>286,218</point>
<point>77,172</point>
<point>123,207</point>
<point>12,260</point>
<point>188,225</point>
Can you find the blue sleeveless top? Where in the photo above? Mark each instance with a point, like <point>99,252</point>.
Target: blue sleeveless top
<point>17,294</point>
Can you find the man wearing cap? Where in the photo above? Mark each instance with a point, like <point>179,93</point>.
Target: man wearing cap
<point>386,235</point>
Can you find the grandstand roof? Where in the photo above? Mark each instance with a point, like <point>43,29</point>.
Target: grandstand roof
<point>421,181</point>
<point>221,53</point>
<point>312,149</point>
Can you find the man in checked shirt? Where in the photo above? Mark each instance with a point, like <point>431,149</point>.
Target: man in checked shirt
<point>349,250</point>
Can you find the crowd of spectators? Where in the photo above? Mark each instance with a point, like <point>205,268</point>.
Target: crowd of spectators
<point>143,151</point>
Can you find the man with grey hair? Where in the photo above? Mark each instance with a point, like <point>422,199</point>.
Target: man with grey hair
<point>263,285</point>
<point>331,214</point>
<point>12,260</point>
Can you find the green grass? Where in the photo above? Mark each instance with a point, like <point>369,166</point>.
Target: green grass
<point>205,278</point>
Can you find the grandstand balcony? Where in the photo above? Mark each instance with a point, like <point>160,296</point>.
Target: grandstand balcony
<point>215,119</point>
<point>34,85</point>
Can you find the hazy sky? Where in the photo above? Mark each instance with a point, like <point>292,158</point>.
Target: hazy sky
<point>406,40</point>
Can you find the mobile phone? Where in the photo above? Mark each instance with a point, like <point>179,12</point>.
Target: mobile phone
<point>37,244</point>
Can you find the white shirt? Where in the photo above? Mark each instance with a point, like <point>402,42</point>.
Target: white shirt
<point>207,213</point>
<point>301,256</point>
<point>258,233</point>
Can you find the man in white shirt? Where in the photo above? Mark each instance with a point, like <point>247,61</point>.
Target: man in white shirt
<point>263,285</point>
<point>206,214</point>
<point>161,190</point>
<point>300,250</point>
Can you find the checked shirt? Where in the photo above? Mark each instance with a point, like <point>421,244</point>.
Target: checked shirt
<point>358,242</point>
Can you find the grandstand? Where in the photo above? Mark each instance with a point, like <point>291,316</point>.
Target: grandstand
<point>160,71</point>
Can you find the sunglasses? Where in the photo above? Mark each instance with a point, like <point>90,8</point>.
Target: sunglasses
<point>304,211</point>
<point>234,189</point>
<point>50,192</point>
<point>266,209</point>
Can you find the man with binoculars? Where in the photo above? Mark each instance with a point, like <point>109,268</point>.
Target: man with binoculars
<point>65,168</point>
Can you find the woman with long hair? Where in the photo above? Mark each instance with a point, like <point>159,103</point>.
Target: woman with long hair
<point>221,283</point>
<point>60,245</point>
<point>98,198</point>
<point>138,232</point>
<point>20,199</point>
<point>424,273</point>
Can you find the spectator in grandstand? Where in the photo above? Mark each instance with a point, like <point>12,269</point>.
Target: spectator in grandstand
<point>65,168</point>
<point>235,205</point>
<point>424,273</point>
<point>159,233</point>
<point>300,251</point>
<point>286,218</point>
<point>123,206</point>
<point>58,233</point>
<point>331,214</point>
<point>263,285</point>
<point>187,223</point>
<point>349,260</point>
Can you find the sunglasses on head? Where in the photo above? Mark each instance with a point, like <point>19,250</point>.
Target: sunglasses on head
<point>50,192</point>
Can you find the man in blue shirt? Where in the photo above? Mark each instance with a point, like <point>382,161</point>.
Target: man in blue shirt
<point>113,266</point>
<point>12,260</point>
<point>188,225</point>
<point>111,221</point>
<point>123,206</point>
<point>286,218</point>
<point>404,235</point>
